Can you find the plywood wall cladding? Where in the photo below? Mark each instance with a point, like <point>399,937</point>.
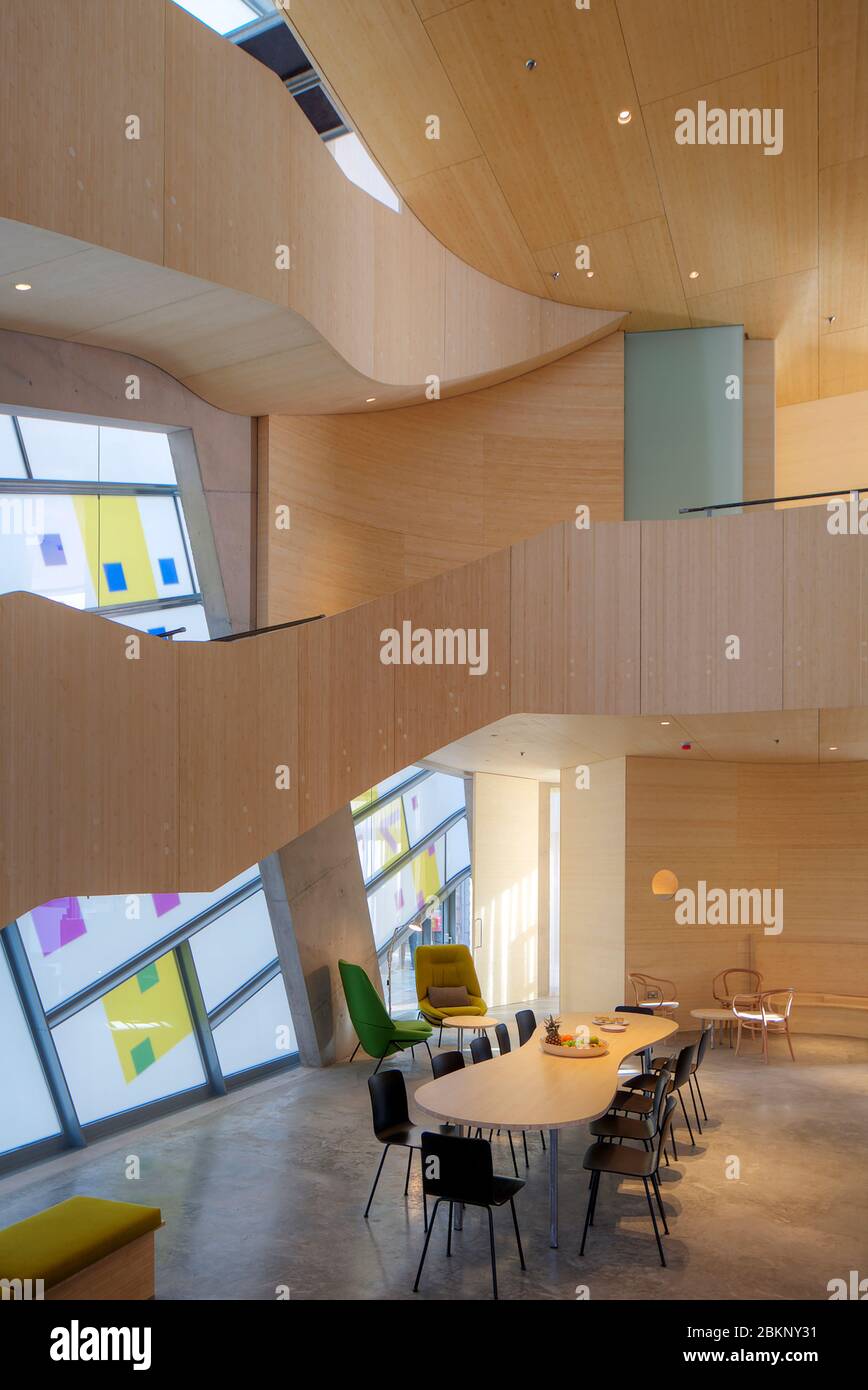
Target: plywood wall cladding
<point>159,767</point>
<point>534,163</point>
<point>384,501</point>
<point>224,243</point>
<point>800,830</point>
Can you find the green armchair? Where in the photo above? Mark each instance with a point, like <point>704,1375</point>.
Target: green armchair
<point>378,1034</point>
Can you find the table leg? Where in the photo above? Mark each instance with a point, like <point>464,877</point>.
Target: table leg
<point>553,1188</point>
<point>458,1217</point>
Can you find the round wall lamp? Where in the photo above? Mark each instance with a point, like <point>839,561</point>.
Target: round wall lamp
<point>664,884</point>
<point>625,117</point>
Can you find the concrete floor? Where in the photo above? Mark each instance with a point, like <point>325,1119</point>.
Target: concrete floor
<point>266,1188</point>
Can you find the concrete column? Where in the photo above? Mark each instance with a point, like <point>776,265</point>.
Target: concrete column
<point>319,913</point>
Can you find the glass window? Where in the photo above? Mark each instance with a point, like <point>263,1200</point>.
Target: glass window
<point>383,789</point>
<point>457,849</point>
<point>432,802</point>
<point>27,1112</point>
<point>134,456</point>
<point>381,837</point>
<point>72,942</point>
<point>159,621</point>
<point>222,15</point>
<point>353,159</point>
<point>46,545</point>
<point>61,449</point>
<point>11,462</point>
<point>260,1031</point>
<point>233,949</point>
<point>134,1045</point>
<point>402,895</point>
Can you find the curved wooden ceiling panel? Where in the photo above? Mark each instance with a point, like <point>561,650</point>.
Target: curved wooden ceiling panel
<point>157,773</point>
<point>223,242</point>
<point>553,168</point>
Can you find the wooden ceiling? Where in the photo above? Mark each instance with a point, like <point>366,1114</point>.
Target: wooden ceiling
<point>530,163</point>
<point>539,745</point>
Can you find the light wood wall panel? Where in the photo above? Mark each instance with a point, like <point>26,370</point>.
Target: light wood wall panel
<point>383,500</point>
<point>825,660</point>
<point>799,829</point>
<point>592,888</point>
<point>821,444</point>
<point>603,618</point>
<point>539,624</point>
<point>759,419</point>
<point>703,582</point>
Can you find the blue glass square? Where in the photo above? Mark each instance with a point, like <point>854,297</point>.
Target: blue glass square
<point>115,577</point>
<point>156,632</point>
<point>52,549</point>
<point>169,571</point>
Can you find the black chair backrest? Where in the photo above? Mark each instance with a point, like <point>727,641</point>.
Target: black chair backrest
<point>665,1127</point>
<point>501,1032</point>
<point>702,1045</point>
<point>660,1089</point>
<point>632,1009</point>
<point>388,1100</point>
<point>446,1062</point>
<point>456,1169</point>
<point>525,1022</point>
<point>480,1050</point>
<point>683,1063</point>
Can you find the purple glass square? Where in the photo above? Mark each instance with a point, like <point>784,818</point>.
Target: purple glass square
<point>58,922</point>
<point>52,549</point>
<point>164,902</point>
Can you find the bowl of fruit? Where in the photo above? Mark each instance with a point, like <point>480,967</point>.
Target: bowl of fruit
<point>558,1044</point>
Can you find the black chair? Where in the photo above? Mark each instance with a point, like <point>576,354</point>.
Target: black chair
<point>501,1032</point>
<point>693,1079</point>
<point>643,1052</point>
<point>393,1127</point>
<point>461,1170</point>
<point>480,1051</point>
<point>446,1062</point>
<point>630,1099</point>
<point>643,1128</point>
<point>627,1163</point>
<point>525,1022</point>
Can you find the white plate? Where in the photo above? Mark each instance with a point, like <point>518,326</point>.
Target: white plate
<point>613,1027</point>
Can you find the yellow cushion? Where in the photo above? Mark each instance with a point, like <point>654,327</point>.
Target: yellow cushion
<point>58,1242</point>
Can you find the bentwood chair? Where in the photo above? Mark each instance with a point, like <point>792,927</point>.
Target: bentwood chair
<point>480,1051</point>
<point>501,1032</point>
<point>525,1022</point>
<point>655,993</point>
<point>461,1170</point>
<point>736,980</point>
<point>393,1127</point>
<point>766,1013</point>
<point>625,1162</point>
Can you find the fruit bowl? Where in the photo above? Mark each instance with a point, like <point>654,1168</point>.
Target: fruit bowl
<point>560,1050</point>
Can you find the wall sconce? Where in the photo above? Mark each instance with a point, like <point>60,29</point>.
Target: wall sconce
<point>664,884</point>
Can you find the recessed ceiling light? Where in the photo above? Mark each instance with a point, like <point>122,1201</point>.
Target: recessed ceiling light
<point>556,275</point>
<point>833,747</point>
<point>665,721</point>
<point>530,64</point>
<point>693,275</point>
<point>625,117</point>
<point>23,287</point>
<point>369,400</point>
<point>831,318</point>
<point>590,274</point>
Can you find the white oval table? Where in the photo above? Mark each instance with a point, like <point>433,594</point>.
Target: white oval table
<point>529,1089</point>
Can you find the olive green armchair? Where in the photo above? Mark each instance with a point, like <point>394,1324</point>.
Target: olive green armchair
<point>449,966</point>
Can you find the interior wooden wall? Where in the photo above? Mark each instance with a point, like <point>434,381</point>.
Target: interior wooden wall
<point>821,444</point>
<point>381,501</point>
<point>751,825</point>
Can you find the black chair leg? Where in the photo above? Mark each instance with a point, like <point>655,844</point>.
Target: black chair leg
<point>407,1179</point>
<point>686,1118</point>
<point>449,1231</point>
<point>377,1178</point>
<point>493,1255</point>
<point>425,1246</point>
<point>699,1093</point>
<point>355,1050</point>
<point>674,1145</point>
<point>595,1178</point>
<point>695,1106</point>
<point>543,1138</point>
<point>594,1195</point>
<point>656,1182</point>
<point>430,1058</point>
<point>440,1039</point>
<point>524,1141</point>
<point>517,1236</point>
<point>654,1221</point>
<point>512,1150</point>
<point>413,1053</point>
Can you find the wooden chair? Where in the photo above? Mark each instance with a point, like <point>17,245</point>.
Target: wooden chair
<point>768,1012</point>
<point>725,986</point>
<point>651,992</point>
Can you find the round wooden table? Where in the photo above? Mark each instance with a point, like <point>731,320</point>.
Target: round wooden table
<point>530,1089</point>
<point>714,1017</point>
<point>468,1023</point>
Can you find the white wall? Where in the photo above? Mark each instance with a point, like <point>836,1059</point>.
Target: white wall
<point>592,879</point>
<point>506,886</point>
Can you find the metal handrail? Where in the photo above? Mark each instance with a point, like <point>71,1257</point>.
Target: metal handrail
<point>275,627</point>
<point>766,501</point>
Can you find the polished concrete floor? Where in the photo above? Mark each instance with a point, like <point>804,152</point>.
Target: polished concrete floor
<point>264,1190</point>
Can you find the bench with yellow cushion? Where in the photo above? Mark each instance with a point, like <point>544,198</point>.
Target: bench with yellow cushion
<point>85,1247</point>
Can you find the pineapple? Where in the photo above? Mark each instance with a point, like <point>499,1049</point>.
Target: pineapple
<point>552,1026</point>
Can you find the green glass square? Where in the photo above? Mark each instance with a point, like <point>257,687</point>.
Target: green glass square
<point>148,977</point>
<point>142,1055</point>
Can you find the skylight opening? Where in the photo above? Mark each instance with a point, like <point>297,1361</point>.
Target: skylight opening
<point>352,157</point>
<point>222,15</point>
